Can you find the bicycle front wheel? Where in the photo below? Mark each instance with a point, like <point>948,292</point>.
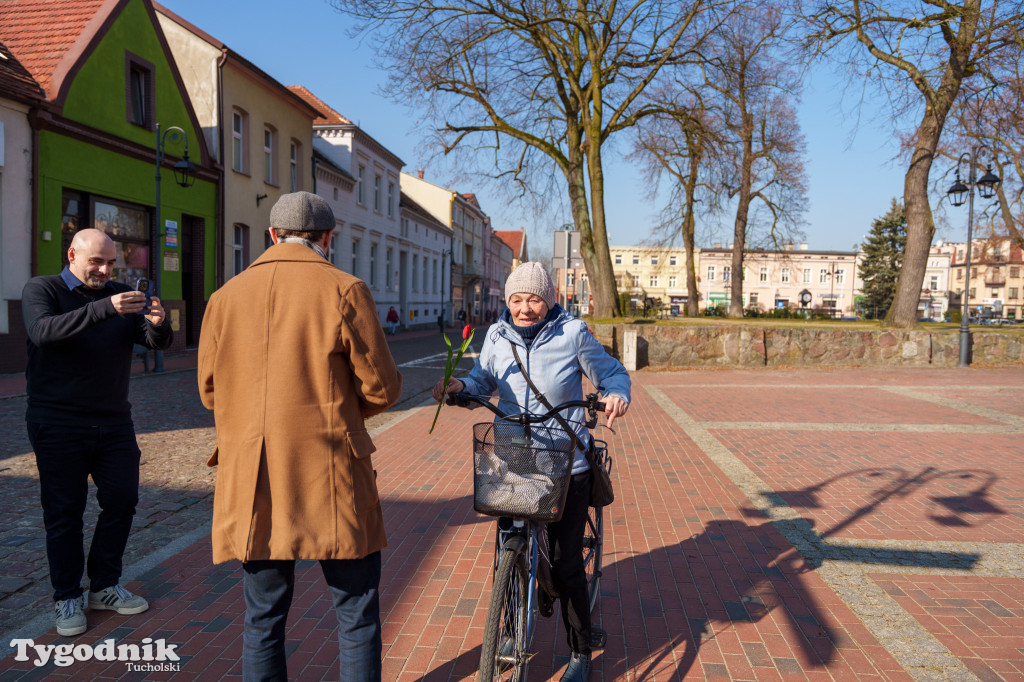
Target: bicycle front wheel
<point>504,655</point>
<point>593,543</point>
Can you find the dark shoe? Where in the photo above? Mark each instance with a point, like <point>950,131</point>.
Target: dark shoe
<point>578,669</point>
<point>545,603</point>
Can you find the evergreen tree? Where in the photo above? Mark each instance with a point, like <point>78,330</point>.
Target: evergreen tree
<point>883,259</point>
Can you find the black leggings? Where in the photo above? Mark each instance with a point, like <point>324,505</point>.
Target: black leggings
<point>565,542</point>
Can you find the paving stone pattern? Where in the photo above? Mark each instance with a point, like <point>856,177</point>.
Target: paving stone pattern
<point>735,549</point>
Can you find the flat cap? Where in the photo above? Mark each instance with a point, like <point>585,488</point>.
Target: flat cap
<point>302,212</point>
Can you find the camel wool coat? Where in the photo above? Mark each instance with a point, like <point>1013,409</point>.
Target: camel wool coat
<point>292,358</point>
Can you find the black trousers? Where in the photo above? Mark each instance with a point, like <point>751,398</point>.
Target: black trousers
<point>565,544</point>
<point>66,456</point>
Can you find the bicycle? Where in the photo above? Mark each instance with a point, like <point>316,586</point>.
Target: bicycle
<point>521,473</point>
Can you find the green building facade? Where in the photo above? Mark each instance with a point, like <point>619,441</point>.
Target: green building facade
<point>96,167</point>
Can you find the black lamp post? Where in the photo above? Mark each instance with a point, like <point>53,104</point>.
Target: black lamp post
<point>184,175</point>
<point>958,193</point>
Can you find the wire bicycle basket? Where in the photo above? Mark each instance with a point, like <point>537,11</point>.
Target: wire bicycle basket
<point>520,470</point>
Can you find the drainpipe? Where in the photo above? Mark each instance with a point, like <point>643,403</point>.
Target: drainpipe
<point>220,230</point>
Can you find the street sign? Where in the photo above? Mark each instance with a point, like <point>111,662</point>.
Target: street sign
<point>564,238</point>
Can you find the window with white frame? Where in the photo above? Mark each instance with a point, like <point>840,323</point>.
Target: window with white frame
<point>785,275</point>
<point>570,279</point>
<point>636,280</point>
<point>762,273</point>
<point>840,276</point>
<point>636,259</point>
<point>376,193</point>
<point>391,199</point>
<point>711,273</point>
<point>361,185</point>
<point>373,265</point>
<point>654,260</point>
<point>618,259</point>
<point>807,276</point>
<point>293,166</point>
<point>435,288</point>
<point>753,299</point>
<point>726,273</point>
<point>672,260</point>
<point>934,283</point>
<point>654,280</point>
<point>269,145</point>
<point>671,281</point>
<point>388,275</point>
<point>332,249</point>
<point>415,280</point>
<point>823,276</point>
<point>425,273</point>
<point>355,257</point>
<point>239,126</point>
<point>239,248</point>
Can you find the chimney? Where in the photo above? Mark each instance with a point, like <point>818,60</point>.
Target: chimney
<point>803,247</point>
<point>419,173</point>
<point>717,245</point>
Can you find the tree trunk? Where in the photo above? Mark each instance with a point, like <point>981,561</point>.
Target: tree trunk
<point>742,211</point>
<point>920,223</point>
<point>1004,209</point>
<point>609,304</point>
<point>689,242</point>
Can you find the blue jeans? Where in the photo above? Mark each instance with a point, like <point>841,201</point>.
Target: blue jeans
<point>268,588</point>
<point>66,456</point>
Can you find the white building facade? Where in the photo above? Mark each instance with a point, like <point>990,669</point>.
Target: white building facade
<point>396,248</point>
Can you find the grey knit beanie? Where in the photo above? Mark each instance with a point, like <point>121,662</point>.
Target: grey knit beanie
<point>531,278</point>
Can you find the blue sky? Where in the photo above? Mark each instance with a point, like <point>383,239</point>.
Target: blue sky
<point>852,176</point>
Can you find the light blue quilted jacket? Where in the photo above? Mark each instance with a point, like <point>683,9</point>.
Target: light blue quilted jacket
<point>563,352</point>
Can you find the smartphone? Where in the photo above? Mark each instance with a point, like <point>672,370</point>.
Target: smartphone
<point>143,285</point>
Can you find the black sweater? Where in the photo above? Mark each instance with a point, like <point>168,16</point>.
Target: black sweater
<point>80,352</point>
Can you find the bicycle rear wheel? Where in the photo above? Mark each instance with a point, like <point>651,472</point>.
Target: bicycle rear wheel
<point>504,654</point>
<point>593,543</point>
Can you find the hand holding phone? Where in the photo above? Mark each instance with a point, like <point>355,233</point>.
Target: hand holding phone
<point>144,285</point>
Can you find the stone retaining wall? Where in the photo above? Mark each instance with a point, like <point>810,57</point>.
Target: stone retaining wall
<point>750,346</point>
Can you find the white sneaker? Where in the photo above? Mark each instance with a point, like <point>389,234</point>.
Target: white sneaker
<point>70,616</point>
<point>118,599</point>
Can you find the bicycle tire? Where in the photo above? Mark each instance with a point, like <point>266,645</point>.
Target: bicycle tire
<point>507,620</point>
<point>593,546</point>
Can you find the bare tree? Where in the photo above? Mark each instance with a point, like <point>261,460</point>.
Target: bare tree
<point>921,53</point>
<point>681,145</point>
<point>749,72</point>
<point>536,82</point>
<point>990,115</point>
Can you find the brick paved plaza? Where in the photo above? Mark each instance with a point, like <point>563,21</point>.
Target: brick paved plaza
<point>782,524</point>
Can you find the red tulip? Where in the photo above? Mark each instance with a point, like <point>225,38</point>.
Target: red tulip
<point>467,330</point>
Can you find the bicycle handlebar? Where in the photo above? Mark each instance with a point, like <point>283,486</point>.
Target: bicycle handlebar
<point>592,405</point>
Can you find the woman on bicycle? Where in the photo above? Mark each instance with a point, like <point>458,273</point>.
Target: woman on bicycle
<point>557,351</point>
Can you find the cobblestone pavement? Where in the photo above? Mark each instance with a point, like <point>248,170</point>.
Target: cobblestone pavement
<point>797,524</point>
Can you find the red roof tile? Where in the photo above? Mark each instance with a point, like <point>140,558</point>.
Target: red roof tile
<point>15,80</point>
<point>43,33</point>
<point>333,118</point>
<point>514,239</point>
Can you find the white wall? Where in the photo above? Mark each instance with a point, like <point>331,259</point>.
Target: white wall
<point>15,205</point>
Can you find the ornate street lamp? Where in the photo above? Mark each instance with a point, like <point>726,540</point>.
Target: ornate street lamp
<point>958,193</point>
<point>184,175</point>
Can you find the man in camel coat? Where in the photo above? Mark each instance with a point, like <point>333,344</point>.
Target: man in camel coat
<point>292,360</point>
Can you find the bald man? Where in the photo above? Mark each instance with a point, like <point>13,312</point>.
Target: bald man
<point>81,328</point>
